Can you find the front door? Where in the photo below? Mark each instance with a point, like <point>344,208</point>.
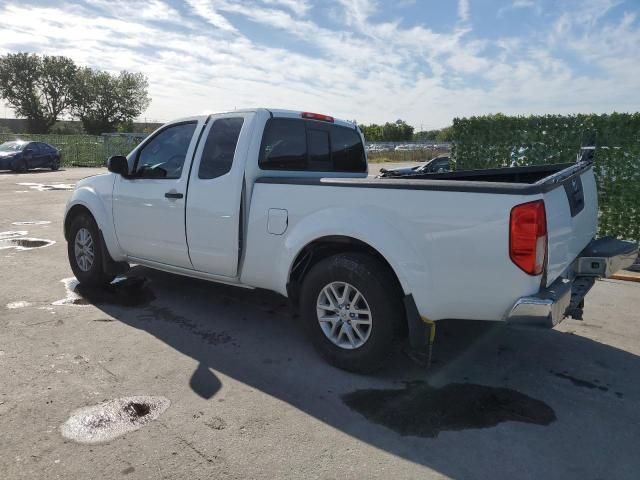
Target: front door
<point>149,206</point>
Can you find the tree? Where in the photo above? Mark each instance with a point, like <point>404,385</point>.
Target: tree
<point>37,88</point>
<point>103,101</point>
<point>398,131</point>
<point>442,135</point>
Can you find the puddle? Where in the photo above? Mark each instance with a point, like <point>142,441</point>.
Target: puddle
<point>124,291</point>
<point>44,187</point>
<point>24,243</point>
<point>20,304</point>
<point>109,420</point>
<point>32,222</point>
<point>424,411</point>
<point>12,234</point>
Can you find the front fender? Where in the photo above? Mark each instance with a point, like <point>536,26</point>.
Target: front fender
<point>95,194</point>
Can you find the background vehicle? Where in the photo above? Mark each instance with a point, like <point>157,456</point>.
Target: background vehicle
<point>438,164</point>
<point>21,156</point>
<point>280,200</point>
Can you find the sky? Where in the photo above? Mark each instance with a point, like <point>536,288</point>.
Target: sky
<point>423,61</point>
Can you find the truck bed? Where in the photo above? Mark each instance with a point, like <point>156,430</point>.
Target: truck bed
<point>529,174</point>
<point>509,180</point>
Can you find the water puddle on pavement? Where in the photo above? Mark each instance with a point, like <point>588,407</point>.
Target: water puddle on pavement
<point>44,187</point>
<point>32,222</point>
<point>424,411</point>
<point>13,234</point>
<point>111,419</point>
<point>123,291</point>
<point>18,304</point>
<point>24,243</point>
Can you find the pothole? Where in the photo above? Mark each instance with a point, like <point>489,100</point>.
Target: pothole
<point>32,222</point>
<point>44,187</point>
<point>111,419</point>
<point>25,243</point>
<point>424,411</point>
<point>12,234</point>
<point>124,291</point>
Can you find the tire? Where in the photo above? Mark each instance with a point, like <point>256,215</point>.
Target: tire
<point>88,273</point>
<point>55,164</point>
<point>21,166</point>
<point>382,298</point>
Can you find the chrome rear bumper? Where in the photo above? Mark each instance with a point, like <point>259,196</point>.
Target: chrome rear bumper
<point>564,297</point>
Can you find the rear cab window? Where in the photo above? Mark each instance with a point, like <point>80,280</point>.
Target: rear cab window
<point>310,145</point>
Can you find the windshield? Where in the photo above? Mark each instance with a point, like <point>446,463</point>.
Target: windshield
<point>12,146</point>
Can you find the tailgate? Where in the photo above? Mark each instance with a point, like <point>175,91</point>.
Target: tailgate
<point>572,218</point>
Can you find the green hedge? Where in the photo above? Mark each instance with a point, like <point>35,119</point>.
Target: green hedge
<point>498,140</point>
<point>81,150</point>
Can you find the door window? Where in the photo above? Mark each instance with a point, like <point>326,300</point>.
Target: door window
<point>220,147</point>
<point>164,155</point>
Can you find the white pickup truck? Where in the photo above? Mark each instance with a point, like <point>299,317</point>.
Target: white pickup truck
<point>281,200</point>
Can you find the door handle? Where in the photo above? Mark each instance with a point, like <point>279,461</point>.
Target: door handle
<point>173,195</point>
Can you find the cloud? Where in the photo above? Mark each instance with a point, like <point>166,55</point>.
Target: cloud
<point>520,5</point>
<point>463,10</point>
<point>206,10</point>
<point>202,56</point>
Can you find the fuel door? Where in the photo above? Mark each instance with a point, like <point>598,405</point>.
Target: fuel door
<point>278,221</point>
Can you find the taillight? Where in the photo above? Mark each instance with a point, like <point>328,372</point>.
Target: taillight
<point>528,236</point>
<point>317,116</point>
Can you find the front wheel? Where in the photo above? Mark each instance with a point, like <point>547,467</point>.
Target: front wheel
<point>352,309</point>
<point>84,249</point>
<point>55,164</point>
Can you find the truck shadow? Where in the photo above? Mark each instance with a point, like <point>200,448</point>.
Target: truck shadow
<point>560,403</point>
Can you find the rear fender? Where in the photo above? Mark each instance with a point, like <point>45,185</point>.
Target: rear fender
<point>361,224</point>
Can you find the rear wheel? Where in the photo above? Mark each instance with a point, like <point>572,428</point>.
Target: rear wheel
<point>352,309</point>
<point>84,249</point>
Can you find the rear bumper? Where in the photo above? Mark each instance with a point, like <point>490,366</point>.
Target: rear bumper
<point>564,297</point>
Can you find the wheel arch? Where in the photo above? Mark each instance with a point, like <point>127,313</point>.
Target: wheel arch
<point>72,213</point>
<point>324,247</point>
<point>86,200</point>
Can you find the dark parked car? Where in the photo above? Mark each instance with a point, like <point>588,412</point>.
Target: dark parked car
<point>436,165</point>
<point>20,156</point>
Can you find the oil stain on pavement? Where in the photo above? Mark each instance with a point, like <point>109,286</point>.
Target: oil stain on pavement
<point>424,411</point>
<point>579,382</point>
<point>111,419</point>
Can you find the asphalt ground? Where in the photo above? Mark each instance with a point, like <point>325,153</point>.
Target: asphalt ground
<point>225,385</point>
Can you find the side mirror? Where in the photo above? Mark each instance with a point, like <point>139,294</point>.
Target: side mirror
<point>118,164</point>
